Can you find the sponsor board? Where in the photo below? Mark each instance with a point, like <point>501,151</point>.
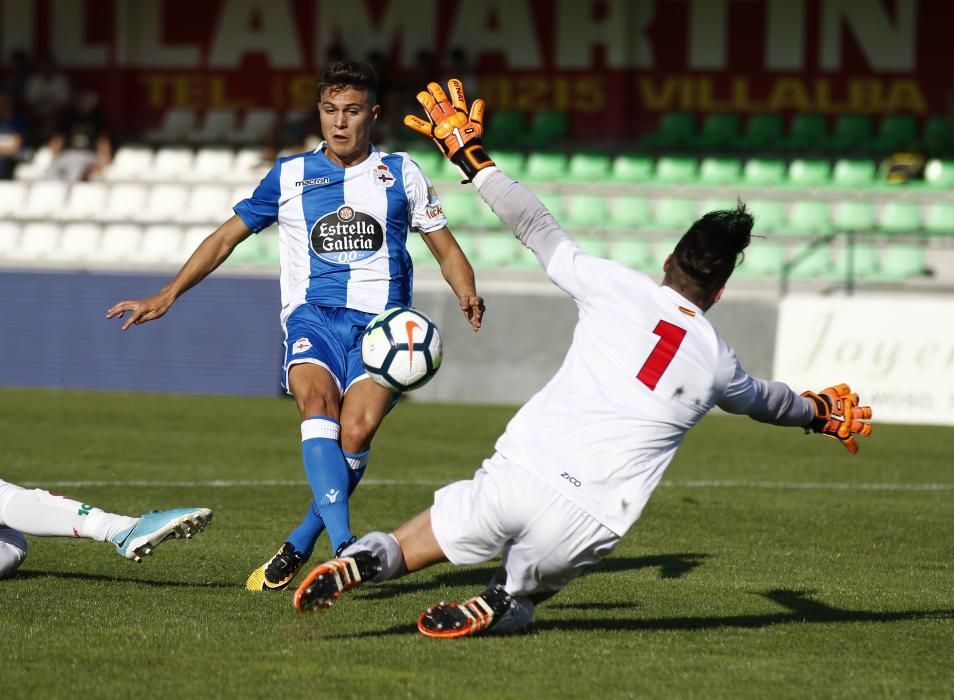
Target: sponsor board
<point>897,352</point>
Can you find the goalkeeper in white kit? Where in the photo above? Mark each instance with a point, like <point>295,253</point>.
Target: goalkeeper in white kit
<point>576,465</point>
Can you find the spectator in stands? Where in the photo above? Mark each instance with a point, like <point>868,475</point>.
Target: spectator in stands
<point>389,125</point>
<point>18,74</point>
<point>81,146</point>
<point>458,66</point>
<point>46,96</point>
<point>13,132</point>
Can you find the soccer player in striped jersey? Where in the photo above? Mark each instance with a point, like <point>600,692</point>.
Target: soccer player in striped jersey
<point>343,213</point>
<point>578,462</point>
<point>46,514</point>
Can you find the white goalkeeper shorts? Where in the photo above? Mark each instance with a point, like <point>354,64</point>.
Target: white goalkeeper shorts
<point>13,550</point>
<point>546,540</point>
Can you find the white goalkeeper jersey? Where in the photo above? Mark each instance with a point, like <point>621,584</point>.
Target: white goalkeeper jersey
<point>644,366</point>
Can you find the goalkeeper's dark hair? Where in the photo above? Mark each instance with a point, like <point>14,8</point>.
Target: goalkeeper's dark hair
<point>706,255</point>
<point>342,75</point>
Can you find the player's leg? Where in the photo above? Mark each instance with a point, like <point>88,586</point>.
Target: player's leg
<point>13,550</point>
<point>47,514</point>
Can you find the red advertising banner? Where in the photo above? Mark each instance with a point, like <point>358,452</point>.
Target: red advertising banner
<point>613,65</point>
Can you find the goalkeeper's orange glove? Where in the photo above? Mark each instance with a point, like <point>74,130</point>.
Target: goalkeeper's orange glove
<point>838,415</point>
<point>455,130</point>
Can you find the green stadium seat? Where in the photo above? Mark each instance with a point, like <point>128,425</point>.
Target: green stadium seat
<point>632,252</point>
<point>761,131</point>
<point>629,213</point>
<point>547,127</point>
<point>717,131</point>
<point>467,242</point>
<point>586,211</point>
<point>550,167</point>
<point>896,132</point>
<point>936,136</point>
<point>939,173</point>
<point>901,261</point>
<point>813,262</point>
<point>594,245</point>
<point>460,207</point>
<point>269,253</point>
<point>511,162</point>
<point>762,259</point>
<point>858,217</point>
<point>447,172</point>
<point>806,133</point>
<point>809,172</point>
<point>808,218</point>
<point>484,216</point>
<point>589,167</point>
<point>420,254</point>
<point>631,167</point>
<point>248,252</point>
<point>763,172</point>
<point>900,217</point>
<point>718,204</point>
<point>720,171</point>
<point>939,219</point>
<point>497,250</point>
<point>853,173</point>
<point>851,132</point>
<point>505,128</point>
<point>676,170</point>
<point>864,262</point>
<point>674,129</point>
<point>769,216</point>
<point>662,249</point>
<point>555,203</point>
<point>430,160</point>
<point>674,214</point>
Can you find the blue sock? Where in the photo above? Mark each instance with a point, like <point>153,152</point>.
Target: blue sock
<point>304,536</point>
<point>327,473</point>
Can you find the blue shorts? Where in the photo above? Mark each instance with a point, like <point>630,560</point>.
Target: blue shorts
<point>326,336</point>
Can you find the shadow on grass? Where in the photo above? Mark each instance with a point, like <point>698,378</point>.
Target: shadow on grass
<point>82,576</point>
<point>800,608</point>
<point>671,566</point>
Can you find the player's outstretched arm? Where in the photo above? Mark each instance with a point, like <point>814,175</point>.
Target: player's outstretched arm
<point>458,273</point>
<point>838,415</point>
<point>211,253</point>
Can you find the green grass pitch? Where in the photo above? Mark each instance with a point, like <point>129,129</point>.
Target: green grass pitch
<point>768,564</point>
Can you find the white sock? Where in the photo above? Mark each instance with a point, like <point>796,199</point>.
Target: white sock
<point>13,550</point>
<point>387,549</point>
<point>46,514</point>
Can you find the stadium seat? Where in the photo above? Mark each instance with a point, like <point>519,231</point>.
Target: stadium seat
<point>589,167</point>
<point>555,203</point>
<point>718,204</point>
<point>192,236</point>
<point>38,242</point>
<point>718,130</point>
<point>676,170</point>
<point>547,127</point>
<point>851,132</point>
<point>12,194</point>
<point>586,211</point>
<point>896,132</point>
<point>673,214</point>
<point>762,259</point>
<point>808,218</point>
<point>248,252</point>
<point>217,126</point>
<point>939,219</point>
<point>120,243</point>
<point>900,217</point>
<point>43,201</point>
<point>161,245</point>
<point>513,163</point>
<point>497,249</point>
<point>171,164</point>
<point>420,254</point>
<point>763,172</point>
<point>807,132</point>
<point>78,243</point>
<point>936,136</point>
<point>467,242</point>
<point>9,238</point>
<point>632,251</point>
<point>863,258</point>
<point>546,167</point>
<point>632,168</point>
<point>459,208</point>
<point>484,216</point>
<point>939,173</point>
<point>762,131</point>
<point>166,203</point>
<point>811,262</point>
<point>249,166</point>
<point>207,204</point>
<point>505,128</point>
<point>628,213</point>
<point>256,128</point>
<point>124,203</point>
<point>805,172</point>
<point>211,165</point>
<point>429,160</point>
<point>858,217</point>
<point>901,261</point>
<point>720,171</point>
<point>674,129</point>
<point>269,250</point>
<point>594,245</point>
<point>84,202</point>
<point>176,125</point>
<point>129,163</point>
<point>769,215</point>
<point>36,167</point>
<point>853,173</point>
<point>662,249</point>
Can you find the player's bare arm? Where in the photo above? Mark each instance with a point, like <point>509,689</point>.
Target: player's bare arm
<point>211,253</point>
<point>458,273</point>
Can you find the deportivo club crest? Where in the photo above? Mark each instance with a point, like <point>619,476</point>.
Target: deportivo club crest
<point>346,235</point>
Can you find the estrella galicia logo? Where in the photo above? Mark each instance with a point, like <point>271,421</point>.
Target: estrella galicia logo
<point>346,235</point>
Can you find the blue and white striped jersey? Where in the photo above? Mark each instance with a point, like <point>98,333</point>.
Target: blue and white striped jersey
<point>342,231</point>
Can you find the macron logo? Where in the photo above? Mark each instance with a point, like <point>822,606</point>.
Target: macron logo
<point>313,181</point>
<point>332,495</point>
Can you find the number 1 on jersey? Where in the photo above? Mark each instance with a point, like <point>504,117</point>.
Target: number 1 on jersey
<point>670,338</point>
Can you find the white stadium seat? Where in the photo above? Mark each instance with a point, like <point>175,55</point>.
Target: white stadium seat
<point>176,126</point>
<point>212,165</point>
<point>44,201</point>
<point>208,204</point>
<point>256,128</point>
<point>9,239</point>
<point>130,163</point>
<point>38,241</point>
<point>193,236</point>
<point>161,244</point>
<point>85,202</point>
<point>125,203</point>
<point>216,128</point>
<point>172,164</point>
<point>12,196</point>
<point>35,168</point>
<point>120,243</point>
<point>78,243</point>
<point>249,166</point>
<point>165,203</point>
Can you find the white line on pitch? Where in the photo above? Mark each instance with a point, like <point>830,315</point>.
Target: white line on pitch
<point>690,484</point>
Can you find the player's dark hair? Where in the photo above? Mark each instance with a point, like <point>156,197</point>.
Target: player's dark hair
<point>342,75</point>
<point>707,254</point>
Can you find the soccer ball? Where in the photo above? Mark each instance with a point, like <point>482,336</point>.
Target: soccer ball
<point>401,349</point>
